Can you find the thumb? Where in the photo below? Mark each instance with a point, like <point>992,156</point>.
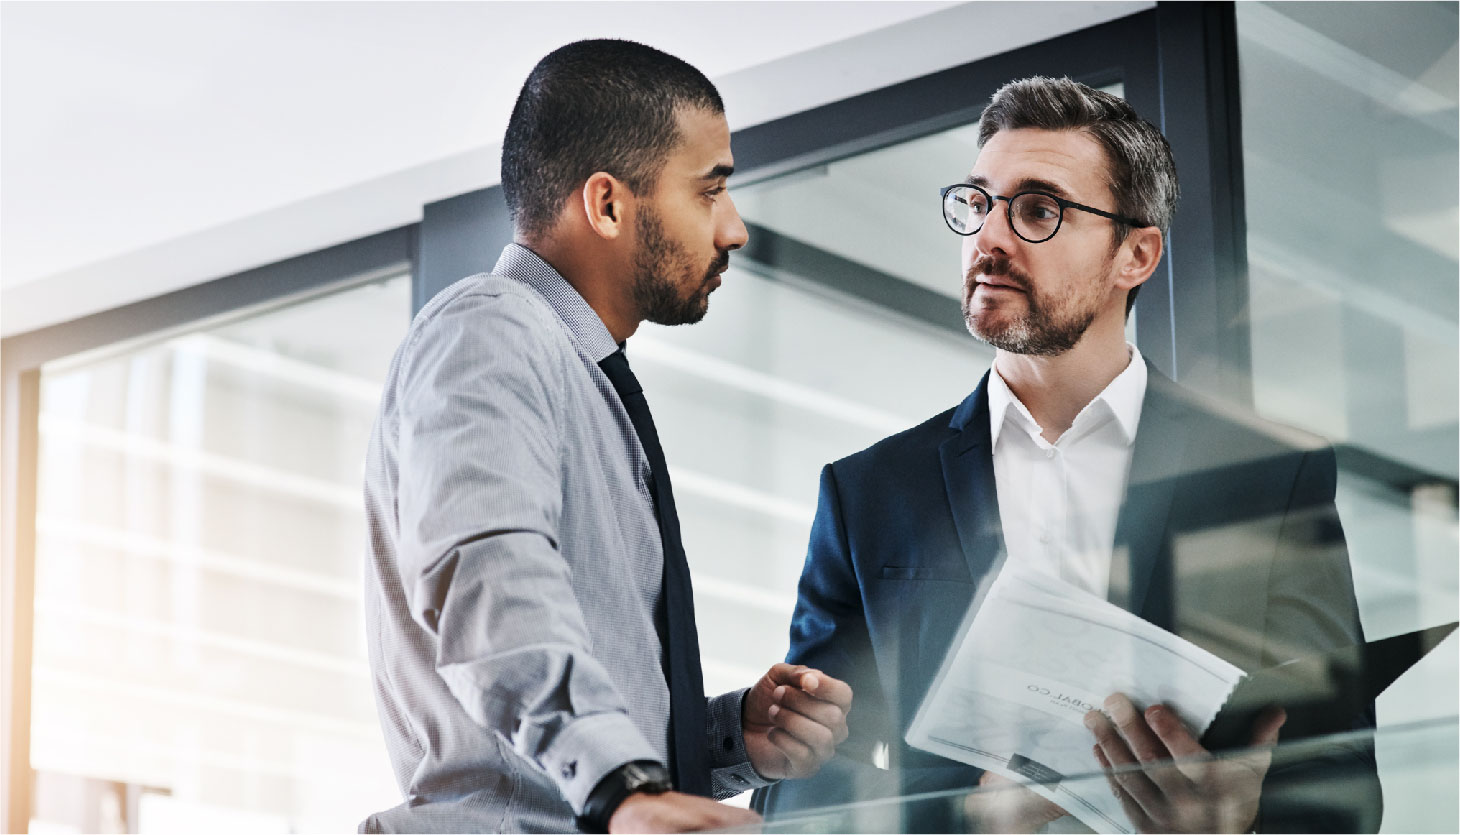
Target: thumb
<point>1265,729</point>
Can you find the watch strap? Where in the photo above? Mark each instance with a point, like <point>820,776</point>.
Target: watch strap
<point>644,776</point>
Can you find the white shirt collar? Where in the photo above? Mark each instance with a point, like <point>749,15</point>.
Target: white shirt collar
<point>1122,398</point>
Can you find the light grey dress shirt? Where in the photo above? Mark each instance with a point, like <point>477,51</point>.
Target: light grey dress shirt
<point>514,566</point>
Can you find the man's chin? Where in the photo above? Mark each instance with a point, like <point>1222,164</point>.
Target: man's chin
<point>989,327</point>
<point>687,315</point>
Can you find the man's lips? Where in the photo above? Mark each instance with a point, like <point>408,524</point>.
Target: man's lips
<point>996,283</point>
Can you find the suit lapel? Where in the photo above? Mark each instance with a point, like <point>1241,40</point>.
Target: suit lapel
<point>1139,578</point>
<point>968,475</point>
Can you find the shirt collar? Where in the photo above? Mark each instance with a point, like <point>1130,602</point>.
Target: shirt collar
<point>1126,394</point>
<point>522,264</point>
<point>1122,397</point>
<point>1001,400</point>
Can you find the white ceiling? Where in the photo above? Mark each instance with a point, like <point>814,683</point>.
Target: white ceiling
<point>148,146</point>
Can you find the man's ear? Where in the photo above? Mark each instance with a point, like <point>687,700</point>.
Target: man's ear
<point>605,199</point>
<point>1140,253</point>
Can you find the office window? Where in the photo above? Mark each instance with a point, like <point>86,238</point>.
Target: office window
<point>1350,151</point>
<point>199,653</point>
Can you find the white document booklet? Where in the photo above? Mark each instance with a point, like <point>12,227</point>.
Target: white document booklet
<point>1012,694</point>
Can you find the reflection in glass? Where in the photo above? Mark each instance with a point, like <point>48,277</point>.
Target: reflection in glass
<point>199,662</point>
<point>1349,115</point>
<point>1315,801</point>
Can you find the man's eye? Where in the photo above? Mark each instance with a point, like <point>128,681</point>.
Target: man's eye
<point>1040,209</point>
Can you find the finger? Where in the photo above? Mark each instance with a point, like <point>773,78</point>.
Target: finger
<point>782,673</point>
<point>828,689</point>
<point>827,714</point>
<point>1109,739</point>
<point>733,817</point>
<point>1113,754</point>
<point>1172,732</point>
<point>1264,736</point>
<point>801,761</point>
<point>1133,729</point>
<point>1133,809</point>
<point>1192,760</point>
<point>766,691</point>
<point>814,735</point>
<point>1150,748</point>
<point>990,778</point>
<point>1265,729</point>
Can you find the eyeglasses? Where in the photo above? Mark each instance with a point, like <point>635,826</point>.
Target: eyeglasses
<point>1033,215</point>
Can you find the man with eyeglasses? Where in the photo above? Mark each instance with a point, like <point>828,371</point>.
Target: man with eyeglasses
<point>1073,457</point>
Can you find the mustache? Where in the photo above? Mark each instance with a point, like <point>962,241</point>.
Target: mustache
<point>719,265</point>
<point>991,266</point>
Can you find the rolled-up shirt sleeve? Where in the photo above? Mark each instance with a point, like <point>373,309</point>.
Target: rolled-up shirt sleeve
<point>479,503</point>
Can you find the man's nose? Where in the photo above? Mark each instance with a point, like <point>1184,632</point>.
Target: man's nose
<point>731,232</point>
<point>997,235</point>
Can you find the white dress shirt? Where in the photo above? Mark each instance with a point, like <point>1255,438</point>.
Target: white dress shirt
<point>1058,503</point>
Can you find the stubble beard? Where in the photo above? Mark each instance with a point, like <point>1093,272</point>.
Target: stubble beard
<point>1047,327</point>
<point>658,298</point>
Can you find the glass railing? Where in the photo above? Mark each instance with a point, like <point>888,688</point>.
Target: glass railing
<point>1327,784</point>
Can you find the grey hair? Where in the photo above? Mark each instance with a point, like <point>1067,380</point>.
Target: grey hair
<point>1142,173</point>
<point>1140,170</point>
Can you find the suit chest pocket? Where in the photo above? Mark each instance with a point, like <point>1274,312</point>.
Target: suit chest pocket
<point>950,573</point>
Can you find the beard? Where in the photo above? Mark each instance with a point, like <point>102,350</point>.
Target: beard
<point>656,265</point>
<point>1049,326</point>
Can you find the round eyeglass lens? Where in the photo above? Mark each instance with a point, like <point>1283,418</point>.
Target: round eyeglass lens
<point>964,209</point>
<point>1036,216</point>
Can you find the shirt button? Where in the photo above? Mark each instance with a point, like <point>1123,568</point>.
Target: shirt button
<point>1049,453</point>
<point>570,769</point>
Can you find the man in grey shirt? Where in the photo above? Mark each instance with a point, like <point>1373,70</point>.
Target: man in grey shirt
<point>528,605</point>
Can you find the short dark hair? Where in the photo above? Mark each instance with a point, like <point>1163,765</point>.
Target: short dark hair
<point>590,106</point>
<point>1140,169</point>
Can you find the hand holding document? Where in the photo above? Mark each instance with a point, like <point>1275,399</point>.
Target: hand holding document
<point>1013,693</point>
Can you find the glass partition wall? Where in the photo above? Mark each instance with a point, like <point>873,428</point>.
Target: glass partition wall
<point>199,653</point>
<point>1349,142</point>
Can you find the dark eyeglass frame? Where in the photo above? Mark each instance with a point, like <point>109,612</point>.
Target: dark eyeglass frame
<point>1009,210</point>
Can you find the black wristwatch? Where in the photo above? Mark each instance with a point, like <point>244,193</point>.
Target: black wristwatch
<point>644,776</point>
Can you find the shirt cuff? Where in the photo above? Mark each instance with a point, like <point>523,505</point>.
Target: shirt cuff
<point>588,749</point>
<point>731,772</point>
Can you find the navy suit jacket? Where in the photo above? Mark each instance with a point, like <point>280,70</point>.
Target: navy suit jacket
<point>1228,537</point>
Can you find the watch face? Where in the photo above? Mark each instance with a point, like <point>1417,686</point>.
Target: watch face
<point>641,779</point>
<point>635,775</point>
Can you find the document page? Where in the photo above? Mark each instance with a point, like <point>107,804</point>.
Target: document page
<point>1012,694</point>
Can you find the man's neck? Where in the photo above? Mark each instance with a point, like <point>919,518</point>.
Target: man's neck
<point>606,293</point>
<point>1055,389</point>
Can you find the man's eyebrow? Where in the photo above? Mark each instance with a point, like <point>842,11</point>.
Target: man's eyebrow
<point>718,172</point>
<point>1027,184</point>
<point>1033,184</point>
